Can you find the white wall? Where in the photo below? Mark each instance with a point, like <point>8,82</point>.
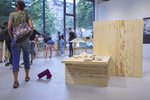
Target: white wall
<point>124,9</point>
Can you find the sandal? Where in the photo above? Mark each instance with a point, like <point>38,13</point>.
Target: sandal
<point>27,79</point>
<point>15,85</point>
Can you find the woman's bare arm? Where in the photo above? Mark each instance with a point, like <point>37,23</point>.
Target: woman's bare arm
<point>31,24</point>
<point>10,29</point>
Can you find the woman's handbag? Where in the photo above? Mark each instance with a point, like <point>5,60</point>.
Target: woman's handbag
<point>22,32</point>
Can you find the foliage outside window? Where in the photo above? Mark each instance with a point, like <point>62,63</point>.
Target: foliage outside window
<point>53,19</point>
<point>84,18</point>
<point>35,9</point>
<point>5,10</point>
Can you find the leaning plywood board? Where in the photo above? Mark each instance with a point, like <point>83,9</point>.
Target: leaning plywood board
<point>122,40</point>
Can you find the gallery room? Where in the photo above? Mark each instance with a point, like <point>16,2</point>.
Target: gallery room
<point>77,50</point>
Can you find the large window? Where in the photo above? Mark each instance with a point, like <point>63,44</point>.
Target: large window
<point>69,17</point>
<point>51,16</point>
<point>84,18</point>
<point>57,8</point>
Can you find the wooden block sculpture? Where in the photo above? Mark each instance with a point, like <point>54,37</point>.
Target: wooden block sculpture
<point>93,73</point>
<point>45,73</point>
<point>122,40</point>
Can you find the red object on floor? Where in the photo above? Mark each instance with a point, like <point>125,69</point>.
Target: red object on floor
<point>46,73</point>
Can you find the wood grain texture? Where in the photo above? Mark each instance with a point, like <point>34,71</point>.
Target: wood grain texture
<point>87,74</point>
<point>122,40</point>
<point>104,61</point>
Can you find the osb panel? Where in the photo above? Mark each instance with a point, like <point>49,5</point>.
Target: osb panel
<point>122,40</point>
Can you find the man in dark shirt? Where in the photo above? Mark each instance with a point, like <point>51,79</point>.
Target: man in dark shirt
<point>71,37</point>
<point>7,42</point>
<point>1,44</point>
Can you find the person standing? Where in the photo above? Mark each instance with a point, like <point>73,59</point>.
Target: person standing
<point>15,19</point>
<point>1,45</point>
<point>49,46</point>
<point>62,45</point>
<point>8,43</point>
<point>71,37</point>
<point>33,45</point>
<point>58,44</point>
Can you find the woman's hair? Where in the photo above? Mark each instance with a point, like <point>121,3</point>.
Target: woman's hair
<point>70,29</point>
<point>20,5</point>
<point>58,32</point>
<point>49,38</point>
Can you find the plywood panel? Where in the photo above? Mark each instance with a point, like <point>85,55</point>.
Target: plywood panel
<point>122,40</point>
<point>87,74</point>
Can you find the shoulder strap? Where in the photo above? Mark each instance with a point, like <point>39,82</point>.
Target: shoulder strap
<point>27,18</point>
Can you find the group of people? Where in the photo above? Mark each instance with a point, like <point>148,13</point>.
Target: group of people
<point>28,45</point>
<point>49,45</point>
<point>61,43</point>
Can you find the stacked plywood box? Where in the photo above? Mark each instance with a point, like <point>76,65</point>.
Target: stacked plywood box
<point>94,73</point>
<point>82,74</point>
<point>122,40</point>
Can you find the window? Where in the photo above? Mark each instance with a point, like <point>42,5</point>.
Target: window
<point>84,20</point>
<point>51,16</point>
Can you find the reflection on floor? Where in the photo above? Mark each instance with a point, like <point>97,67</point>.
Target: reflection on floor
<point>55,89</point>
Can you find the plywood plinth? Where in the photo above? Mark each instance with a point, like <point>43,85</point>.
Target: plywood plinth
<point>87,73</point>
